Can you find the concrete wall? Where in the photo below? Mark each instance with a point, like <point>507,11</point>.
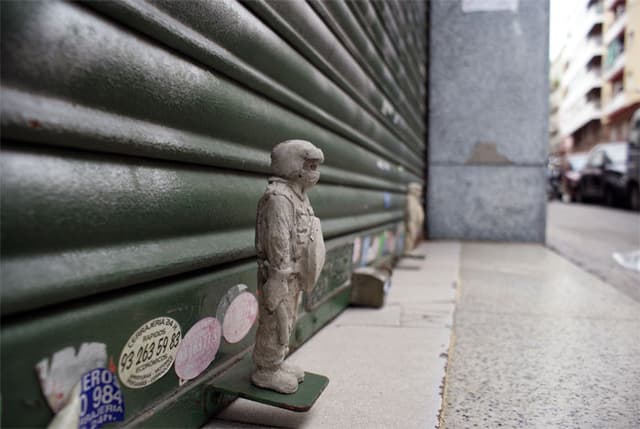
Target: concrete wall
<point>488,119</point>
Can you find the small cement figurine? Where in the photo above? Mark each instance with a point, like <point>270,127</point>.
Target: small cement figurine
<point>414,217</point>
<point>291,254</point>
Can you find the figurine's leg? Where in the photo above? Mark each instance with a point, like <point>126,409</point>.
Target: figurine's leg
<point>292,303</point>
<point>269,353</point>
<point>284,328</point>
<point>409,240</point>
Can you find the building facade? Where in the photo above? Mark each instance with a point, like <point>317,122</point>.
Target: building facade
<point>580,82</point>
<point>555,98</point>
<point>621,67</point>
<point>595,79</point>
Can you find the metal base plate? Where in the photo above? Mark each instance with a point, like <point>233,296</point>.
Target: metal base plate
<point>411,255</point>
<point>236,381</point>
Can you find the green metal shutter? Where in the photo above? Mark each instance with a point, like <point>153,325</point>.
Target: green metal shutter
<point>135,146</point>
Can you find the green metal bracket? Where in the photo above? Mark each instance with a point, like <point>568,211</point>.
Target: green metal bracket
<point>414,256</point>
<point>236,381</point>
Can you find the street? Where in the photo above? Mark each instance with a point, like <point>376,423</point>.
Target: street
<point>589,234</point>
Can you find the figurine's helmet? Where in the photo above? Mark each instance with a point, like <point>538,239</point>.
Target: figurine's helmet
<point>288,160</point>
<point>415,189</point>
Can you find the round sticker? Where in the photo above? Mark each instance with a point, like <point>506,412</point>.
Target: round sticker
<point>198,348</point>
<point>149,352</point>
<point>238,311</point>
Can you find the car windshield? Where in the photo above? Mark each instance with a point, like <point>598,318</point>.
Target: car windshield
<point>616,152</point>
<point>577,162</point>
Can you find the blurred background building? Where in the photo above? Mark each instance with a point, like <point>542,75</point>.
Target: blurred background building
<point>595,78</point>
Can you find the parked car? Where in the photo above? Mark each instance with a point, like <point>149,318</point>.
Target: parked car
<point>610,175</point>
<point>573,166</point>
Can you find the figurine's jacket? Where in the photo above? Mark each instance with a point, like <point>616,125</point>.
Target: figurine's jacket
<point>414,213</point>
<point>286,232</point>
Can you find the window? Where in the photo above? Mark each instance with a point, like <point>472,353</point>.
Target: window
<point>617,87</point>
<point>616,153</point>
<point>597,159</point>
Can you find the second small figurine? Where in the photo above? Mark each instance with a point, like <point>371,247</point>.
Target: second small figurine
<point>290,251</point>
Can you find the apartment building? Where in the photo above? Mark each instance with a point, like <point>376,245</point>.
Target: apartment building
<point>556,139</point>
<point>621,68</point>
<point>595,80</point>
<point>580,84</point>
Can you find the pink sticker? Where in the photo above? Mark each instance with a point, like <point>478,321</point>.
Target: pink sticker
<point>357,249</point>
<point>391,242</point>
<point>239,317</point>
<point>198,348</point>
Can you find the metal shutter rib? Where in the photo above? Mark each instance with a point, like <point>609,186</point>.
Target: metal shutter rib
<point>135,146</point>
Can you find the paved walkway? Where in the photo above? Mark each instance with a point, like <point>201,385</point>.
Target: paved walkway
<point>536,343</point>
<point>540,343</point>
<point>386,367</point>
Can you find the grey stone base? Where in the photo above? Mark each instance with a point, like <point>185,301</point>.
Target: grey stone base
<point>499,203</point>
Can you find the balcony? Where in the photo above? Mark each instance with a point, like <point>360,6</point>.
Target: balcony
<point>591,19</point>
<point>618,102</point>
<point>610,4</point>
<point>615,67</point>
<point>593,48</point>
<point>616,27</point>
<point>582,85</point>
<point>588,51</point>
<point>589,112</point>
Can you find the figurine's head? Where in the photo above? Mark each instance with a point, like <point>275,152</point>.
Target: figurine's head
<point>415,189</point>
<point>297,161</point>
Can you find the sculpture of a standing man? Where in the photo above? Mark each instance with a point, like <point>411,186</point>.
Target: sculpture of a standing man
<point>414,217</point>
<point>290,251</point>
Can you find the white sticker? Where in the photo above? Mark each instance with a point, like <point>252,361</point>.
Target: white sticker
<point>366,242</point>
<point>383,165</point>
<point>58,378</point>
<point>238,311</point>
<point>149,352</point>
<point>374,249</point>
<point>489,5</point>
<point>198,348</point>
<point>387,108</point>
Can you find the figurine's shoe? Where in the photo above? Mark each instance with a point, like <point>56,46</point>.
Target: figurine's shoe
<point>294,370</point>
<point>278,380</point>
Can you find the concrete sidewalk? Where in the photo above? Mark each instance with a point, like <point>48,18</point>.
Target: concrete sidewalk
<point>386,367</point>
<point>540,343</point>
<point>537,342</point>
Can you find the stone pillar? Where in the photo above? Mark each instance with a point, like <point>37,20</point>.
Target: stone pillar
<point>488,119</point>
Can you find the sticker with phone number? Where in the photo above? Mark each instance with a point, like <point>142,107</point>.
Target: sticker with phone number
<point>149,352</point>
<point>101,399</point>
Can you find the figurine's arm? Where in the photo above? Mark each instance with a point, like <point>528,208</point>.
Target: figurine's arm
<point>279,224</point>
